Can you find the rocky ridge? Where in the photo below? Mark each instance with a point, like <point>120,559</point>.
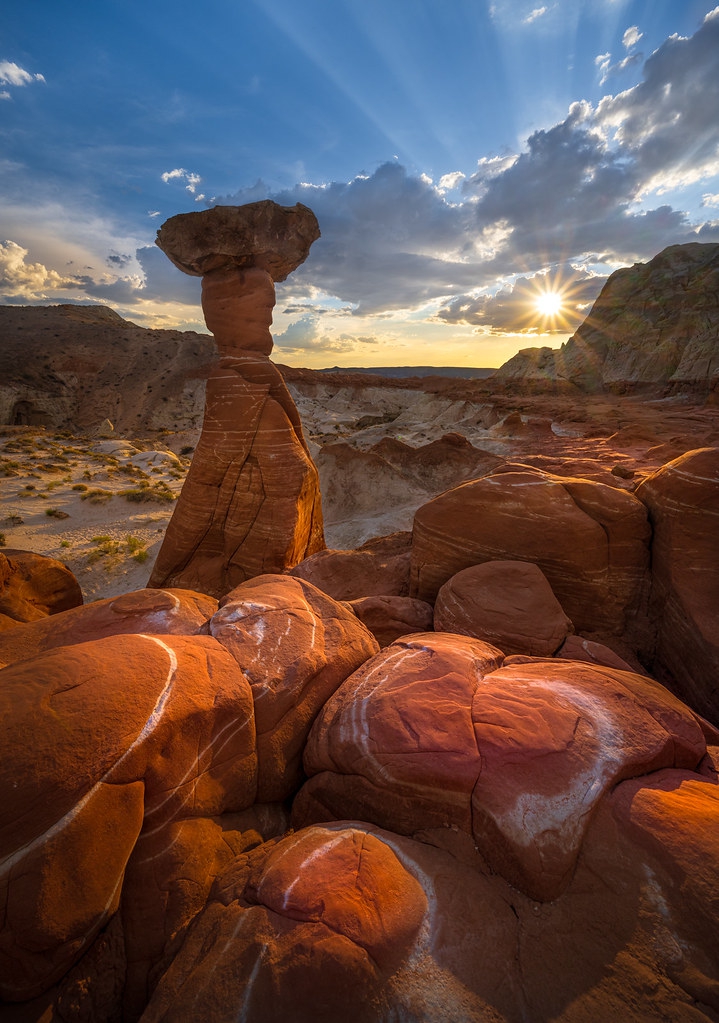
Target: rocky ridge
<point>654,327</point>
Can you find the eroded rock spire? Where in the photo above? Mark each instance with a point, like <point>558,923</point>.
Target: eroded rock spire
<point>251,501</point>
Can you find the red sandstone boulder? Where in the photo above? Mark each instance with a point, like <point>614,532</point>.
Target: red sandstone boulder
<point>379,568</point>
<point>100,739</point>
<point>434,733</point>
<point>580,730</point>
<point>683,502</point>
<point>295,646</point>
<point>591,542</point>
<point>657,836</point>
<point>351,922</point>
<point>167,882</point>
<point>33,586</point>
<point>576,648</point>
<point>159,612</point>
<point>310,929</point>
<point>395,745</point>
<point>388,618</point>
<point>507,603</point>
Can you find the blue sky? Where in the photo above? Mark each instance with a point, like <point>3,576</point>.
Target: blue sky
<point>463,157</point>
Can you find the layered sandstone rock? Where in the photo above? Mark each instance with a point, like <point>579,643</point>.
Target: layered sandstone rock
<point>251,501</point>
<point>434,732</point>
<point>348,921</point>
<point>295,646</point>
<point>102,740</point>
<point>33,586</point>
<point>683,503</point>
<point>507,603</point>
<point>380,567</point>
<point>590,541</point>
<point>388,618</point>
<point>159,612</point>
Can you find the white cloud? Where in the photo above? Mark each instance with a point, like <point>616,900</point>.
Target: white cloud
<point>13,74</point>
<point>180,174</point>
<point>631,37</point>
<point>28,281</point>
<point>610,70</point>
<point>303,336</point>
<point>448,182</point>
<point>710,199</point>
<point>538,12</point>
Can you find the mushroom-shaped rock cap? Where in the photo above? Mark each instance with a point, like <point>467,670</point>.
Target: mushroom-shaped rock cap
<point>275,238</point>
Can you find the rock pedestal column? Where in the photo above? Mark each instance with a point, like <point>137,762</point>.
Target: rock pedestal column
<point>251,500</point>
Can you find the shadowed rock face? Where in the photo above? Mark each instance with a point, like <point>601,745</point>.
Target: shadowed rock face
<point>275,238</point>
<point>251,500</point>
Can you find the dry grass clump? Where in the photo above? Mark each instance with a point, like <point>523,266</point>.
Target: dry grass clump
<point>146,491</point>
<point>114,551</point>
<point>96,495</point>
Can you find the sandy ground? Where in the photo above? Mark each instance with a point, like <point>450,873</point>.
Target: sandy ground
<point>99,505</point>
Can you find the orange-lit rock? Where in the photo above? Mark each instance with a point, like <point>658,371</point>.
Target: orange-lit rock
<point>251,502</point>
<point>159,612</point>
<point>396,745</point>
<point>432,732</point>
<point>379,567</point>
<point>683,502</point>
<point>350,922</point>
<point>590,541</point>
<point>507,603</point>
<point>295,646</point>
<point>99,740</point>
<point>168,880</point>
<point>33,586</point>
<point>388,618</point>
<point>336,912</point>
<point>576,648</point>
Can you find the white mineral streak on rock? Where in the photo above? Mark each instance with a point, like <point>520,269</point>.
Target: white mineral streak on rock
<point>9,862</point>
<point>537,817</point>
<point>193,772</point>
<point>354,726</point>
<point>313,858</point>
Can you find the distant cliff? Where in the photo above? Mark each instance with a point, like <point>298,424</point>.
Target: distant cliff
<point>73,366</point>
<point>654,327</point>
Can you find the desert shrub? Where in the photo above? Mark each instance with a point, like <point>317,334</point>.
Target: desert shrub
<point>96,495</point>
<point>64,543</point>
<point>79,486</point>
<point>158,491</point>
<point>113,551</point>
<point>14,520</point>
<point>56,513</point>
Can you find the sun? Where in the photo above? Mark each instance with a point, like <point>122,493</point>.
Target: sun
<point>549,303</point>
